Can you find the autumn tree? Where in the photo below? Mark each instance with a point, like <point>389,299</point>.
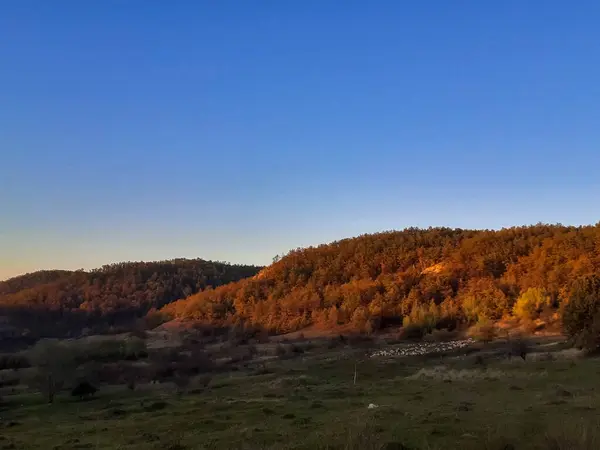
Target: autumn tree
<point>530,304</point>
<point>483,300</point>
<point>581,315</point>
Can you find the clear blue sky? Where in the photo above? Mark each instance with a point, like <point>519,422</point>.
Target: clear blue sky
<point>237,130</point>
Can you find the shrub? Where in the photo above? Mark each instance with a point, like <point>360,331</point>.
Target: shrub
<point>156,406</point>
<point>135,348</point>
<point>412,332</point>
<point>360,340</point>
<point>203,381</point>
<point>518,347</point>
<point>280,350</point>
<point>13,362</point>
<point>298,349</point>
<point>335,343</point>
<point>83,389</point>
<point>108,350</point>
<point>198,362</point>
<point>155,318</point>
<point>131,376</point>
<point>9,380</point>
<point>139,333</point>
<point>441,335</point>
<point>182,382</point>
<point>162,371</point>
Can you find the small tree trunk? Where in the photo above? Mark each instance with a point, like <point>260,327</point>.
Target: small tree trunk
<point>50,389</point>
<point>355,374</point>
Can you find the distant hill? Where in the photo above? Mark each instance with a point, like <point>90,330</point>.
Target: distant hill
<point>62,303</point>
<point>436,277</point>
<point>31,280</point>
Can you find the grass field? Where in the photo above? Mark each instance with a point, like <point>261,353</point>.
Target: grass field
<point>311,402</point>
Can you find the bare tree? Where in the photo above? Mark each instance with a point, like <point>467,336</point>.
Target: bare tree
<point>54,364</point>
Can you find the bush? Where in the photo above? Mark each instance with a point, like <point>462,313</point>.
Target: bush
<point>298,349</point>
<point>155,318</point>
<point>13,362</point>
<point>167,364</point>
<point>335,342</point>
<point>9,380</point>
<point>83,389</point>
<point>108,350</point>
<point>518,347</point>
<point>360,340</point>
<point>203,381</point>
<point>441,335</point>
<point>280,350</point>
<point>182,382</point>
<point>135,348</point>
<point>139,333</point>
<point>412,332</point>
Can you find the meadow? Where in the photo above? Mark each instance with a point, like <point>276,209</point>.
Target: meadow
<point>335,398</point>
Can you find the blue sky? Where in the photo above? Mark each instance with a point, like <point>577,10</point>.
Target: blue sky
<point>143,130</point>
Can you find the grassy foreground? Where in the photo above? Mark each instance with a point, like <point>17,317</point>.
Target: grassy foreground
<point>312,402</point>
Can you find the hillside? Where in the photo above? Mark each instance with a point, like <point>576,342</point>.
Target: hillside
<point>59,303</point>
<point>31,280</point>
<point>437,277</point>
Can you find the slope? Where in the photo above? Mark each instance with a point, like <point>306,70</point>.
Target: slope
<point>437,277</point>
<point>60,303</point>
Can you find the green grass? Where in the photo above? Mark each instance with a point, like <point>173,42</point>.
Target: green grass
<point>311,403</point>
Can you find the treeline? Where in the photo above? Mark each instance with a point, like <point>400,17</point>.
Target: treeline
<point>63,303</point>
<point>31,280</point>
<point>437,277</point>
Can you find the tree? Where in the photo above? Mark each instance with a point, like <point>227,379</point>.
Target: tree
<point>581,315</point>
<point>469,274</point>
<point>54,363</point>
<point>531,303</point>
<point>360,319</point>
<point>61,303</point>
<point>483,300</point>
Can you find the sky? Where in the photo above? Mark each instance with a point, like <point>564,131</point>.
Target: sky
<point>236,130</point>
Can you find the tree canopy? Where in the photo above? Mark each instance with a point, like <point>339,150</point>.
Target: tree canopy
<point>439,275</point>
<point>59,303</point>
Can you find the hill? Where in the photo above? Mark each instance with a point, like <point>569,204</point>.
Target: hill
<point>31,280</point>
<point>62,303</point>
<point>438,277</point>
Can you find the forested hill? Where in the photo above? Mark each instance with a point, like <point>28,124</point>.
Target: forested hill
<point>31,280</point>
<point>438,276</point>
<point>56,303</point>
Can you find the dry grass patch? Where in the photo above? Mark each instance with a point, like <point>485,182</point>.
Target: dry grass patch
<point>444,373</point>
